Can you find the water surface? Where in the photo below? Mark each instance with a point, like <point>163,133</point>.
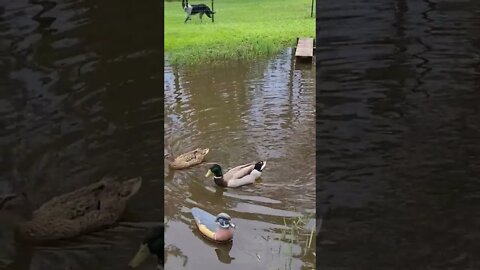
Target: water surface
<point>243,111</point>
<point>80,99</point>
<point>399,122</point>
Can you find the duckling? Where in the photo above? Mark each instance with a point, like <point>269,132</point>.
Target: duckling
<point>188,159</point>
<point>82,211</point>
<point>153,244</point>
<point>238,176</point>
<point>216,228</point>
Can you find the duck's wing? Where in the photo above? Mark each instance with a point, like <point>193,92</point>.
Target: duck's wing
<point>191,158</point>
<point>237,182</point>
<point>205,218</point>
<point>74,201</point>
<point>47,228</point>
<point>239,171</point>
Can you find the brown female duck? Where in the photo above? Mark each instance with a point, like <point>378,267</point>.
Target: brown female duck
<point>82,211</point>
<point>188,159</point>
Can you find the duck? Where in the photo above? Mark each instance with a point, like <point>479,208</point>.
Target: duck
<point>152,245</point>
<point>188,159</point>
<point>87,209</point>
<point>238,176</point>
<point>217,228</point>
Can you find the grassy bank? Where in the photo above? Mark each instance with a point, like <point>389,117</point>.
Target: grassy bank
<point>242,29</point>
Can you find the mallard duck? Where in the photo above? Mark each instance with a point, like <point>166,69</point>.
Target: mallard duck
<point>186,160</point>
<point>238,176</point>
<point>153,244</point>
<point>217,228</point>
<point>84,210</point>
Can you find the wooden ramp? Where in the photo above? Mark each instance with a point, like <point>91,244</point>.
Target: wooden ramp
<point>304,47</point>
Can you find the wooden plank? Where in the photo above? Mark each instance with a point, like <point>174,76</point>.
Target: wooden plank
<point>304,47</point>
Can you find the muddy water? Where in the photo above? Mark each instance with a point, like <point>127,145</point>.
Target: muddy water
<point>399,150</point>
<point>80,88</point>
<point>242,111</point>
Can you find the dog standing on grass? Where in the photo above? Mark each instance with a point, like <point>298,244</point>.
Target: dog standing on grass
<point>196,9</point>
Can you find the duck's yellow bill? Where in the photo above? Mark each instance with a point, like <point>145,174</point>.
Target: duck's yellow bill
<point>208,173</point>
<point>142,254</point>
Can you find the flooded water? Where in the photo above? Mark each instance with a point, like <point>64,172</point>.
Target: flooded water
<point>243,112</point>
<point>399,118</point>
<point>80,98</point>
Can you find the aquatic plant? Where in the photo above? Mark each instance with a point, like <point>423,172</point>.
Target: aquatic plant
<point>297,233</point>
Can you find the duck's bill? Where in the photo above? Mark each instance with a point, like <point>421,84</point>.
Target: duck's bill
<point>142,254</point>
<point>208,173</point>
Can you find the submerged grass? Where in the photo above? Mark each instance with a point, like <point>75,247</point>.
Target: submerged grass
<point>242,29</point>
<point>296,232</point>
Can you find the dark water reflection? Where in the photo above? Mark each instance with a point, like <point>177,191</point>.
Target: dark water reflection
<point>80,98</point>
<point>399,156</point>
<point>242,111</point>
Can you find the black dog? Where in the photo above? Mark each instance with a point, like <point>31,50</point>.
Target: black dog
<point>196,9</point>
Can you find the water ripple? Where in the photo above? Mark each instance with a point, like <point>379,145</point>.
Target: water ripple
<point>244,112</point>
<point>397,97</point>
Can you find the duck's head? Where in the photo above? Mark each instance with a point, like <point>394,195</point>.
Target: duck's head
<point>224,221</point>
<point>216,170</point>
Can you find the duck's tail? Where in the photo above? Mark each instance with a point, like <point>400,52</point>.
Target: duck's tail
<point>131,186</point>
<point>259,166</point>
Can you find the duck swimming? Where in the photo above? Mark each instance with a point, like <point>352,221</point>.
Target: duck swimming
<point>238,176</point>
<point>188,159</point>
<point>153,244</point>
<point>82,211</point>
<point>216,228</point>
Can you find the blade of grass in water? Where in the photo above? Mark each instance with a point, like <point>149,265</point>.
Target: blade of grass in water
<point>311,237</point>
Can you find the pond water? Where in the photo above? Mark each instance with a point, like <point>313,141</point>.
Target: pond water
<point>398,138</point>
<point>80,98</point>
<point>243,111</point>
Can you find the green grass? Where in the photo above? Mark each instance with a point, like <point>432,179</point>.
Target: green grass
<point>243,29</point>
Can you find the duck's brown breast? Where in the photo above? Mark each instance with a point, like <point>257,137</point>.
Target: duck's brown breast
<point>220,182</point>
<point>224,234</point>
